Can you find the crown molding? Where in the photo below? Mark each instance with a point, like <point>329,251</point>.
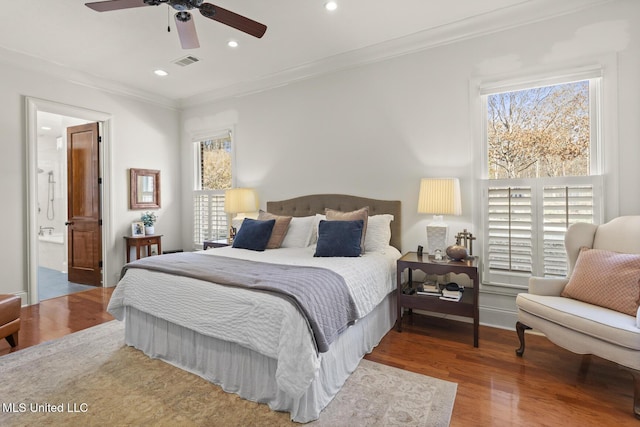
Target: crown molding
<point>523,13</point>
<point>527,12</point>
<point>80,78</point>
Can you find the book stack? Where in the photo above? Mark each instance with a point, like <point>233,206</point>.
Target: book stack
<point>454,296</point>
<point>430,289</point>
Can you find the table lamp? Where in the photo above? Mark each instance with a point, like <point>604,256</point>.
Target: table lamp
<point>439,196</point>
<point>237,202</point>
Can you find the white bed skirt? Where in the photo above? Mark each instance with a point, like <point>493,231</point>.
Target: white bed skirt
<point>251,375</point>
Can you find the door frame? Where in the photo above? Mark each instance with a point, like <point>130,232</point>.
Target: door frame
<point>32,106</point>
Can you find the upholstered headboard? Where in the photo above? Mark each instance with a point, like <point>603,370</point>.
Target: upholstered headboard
<point>317,203</point>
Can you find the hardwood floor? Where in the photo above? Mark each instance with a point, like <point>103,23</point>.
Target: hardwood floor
<point>546,387</point>
<point>57,317</point>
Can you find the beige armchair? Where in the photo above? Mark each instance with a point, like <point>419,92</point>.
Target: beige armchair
<point>581,327</point>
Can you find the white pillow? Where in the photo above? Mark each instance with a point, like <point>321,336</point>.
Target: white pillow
<point>378,233</point>
<point>299,233</point>
<point>316,225</point>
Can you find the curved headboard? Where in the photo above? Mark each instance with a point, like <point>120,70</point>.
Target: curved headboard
<point>317,203</point>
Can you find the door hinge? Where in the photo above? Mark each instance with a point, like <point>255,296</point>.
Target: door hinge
<point>100,264</point>
<point>99,139</point>
<point>99,180</point>
<point>99,222</point>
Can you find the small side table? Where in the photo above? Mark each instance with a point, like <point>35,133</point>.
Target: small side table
<point>146,241</point>
<point>466,307</point>
<point>215,244</point>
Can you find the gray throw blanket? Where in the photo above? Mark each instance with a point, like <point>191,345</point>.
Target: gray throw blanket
<point>320,294</point>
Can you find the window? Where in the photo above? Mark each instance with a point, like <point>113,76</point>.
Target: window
<point>541,174</point>
<point>213,158</point>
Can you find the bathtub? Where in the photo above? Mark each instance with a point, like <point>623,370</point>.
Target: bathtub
<point>52,251</point>
<point>57,238</point>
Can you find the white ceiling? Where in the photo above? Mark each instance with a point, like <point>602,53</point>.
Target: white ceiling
<point>118,50</point>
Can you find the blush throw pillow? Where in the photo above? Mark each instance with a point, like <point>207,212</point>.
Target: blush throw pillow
<point>254,234</point>
<point>360,214</point>
<point>607,279</point>
<point>279,229</point>
<point>339,238</point>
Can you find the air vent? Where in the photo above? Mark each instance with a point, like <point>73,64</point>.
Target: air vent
<point>187,60</point>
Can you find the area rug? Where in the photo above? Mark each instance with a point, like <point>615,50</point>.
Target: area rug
<point>90,378</point>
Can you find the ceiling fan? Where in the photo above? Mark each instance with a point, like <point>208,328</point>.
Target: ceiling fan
<point>184,22</point>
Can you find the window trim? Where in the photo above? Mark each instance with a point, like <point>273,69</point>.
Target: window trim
<point>196,169</point>
<point>595,94</point>
<point>600,164</point>
<point>195,155</point>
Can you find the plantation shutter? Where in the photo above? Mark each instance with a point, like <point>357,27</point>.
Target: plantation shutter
<point>563,205</point>
<point>526,221</point>
<point>509,222</point>
<point>210,220</point>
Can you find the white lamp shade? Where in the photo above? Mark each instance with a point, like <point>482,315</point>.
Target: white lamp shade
<point>240,200</point>
<point>440,196</point>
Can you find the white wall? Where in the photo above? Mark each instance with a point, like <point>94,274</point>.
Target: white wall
<point>143,136</point>
<point>376,130</point>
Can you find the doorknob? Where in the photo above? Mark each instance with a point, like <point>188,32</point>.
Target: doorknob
<point>68,223</point>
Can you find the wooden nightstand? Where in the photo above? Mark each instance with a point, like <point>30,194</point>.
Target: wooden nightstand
<point>466,307</point>
<point>146,241</point>
<point>215,244</point>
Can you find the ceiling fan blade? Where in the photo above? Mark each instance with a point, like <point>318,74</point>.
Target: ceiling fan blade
<point>187,31</point>
<point>105,6</point>
<point>234,20</point>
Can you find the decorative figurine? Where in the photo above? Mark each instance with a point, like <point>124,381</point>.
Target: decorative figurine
<point>457,252</point>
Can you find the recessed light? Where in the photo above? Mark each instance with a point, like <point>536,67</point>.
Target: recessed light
<point>161,73</point>
<point>232,43</point>
<point>331,5</point>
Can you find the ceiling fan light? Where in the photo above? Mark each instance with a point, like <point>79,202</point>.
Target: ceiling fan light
<point>183,16</point>
<point>331,5</point>
<point>161,73</point>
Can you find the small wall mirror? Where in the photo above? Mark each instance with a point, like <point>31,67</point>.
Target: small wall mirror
<point>144,191</point>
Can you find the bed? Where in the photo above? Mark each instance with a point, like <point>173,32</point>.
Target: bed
<point>256,344</point>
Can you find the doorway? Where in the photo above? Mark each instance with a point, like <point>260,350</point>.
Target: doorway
<point>53,242</point>
<point>47,143</point>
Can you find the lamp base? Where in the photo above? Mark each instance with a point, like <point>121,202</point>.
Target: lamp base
<point>437,237</point>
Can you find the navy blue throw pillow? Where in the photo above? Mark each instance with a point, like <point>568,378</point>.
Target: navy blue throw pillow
<point>254,234</point>
<point>339,238</point>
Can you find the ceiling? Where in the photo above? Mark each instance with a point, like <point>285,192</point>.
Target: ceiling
<point>118,51</point>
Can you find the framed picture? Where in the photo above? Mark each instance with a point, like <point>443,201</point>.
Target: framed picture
<point>137,229</point>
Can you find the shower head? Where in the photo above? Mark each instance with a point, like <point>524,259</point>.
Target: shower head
<point>40,170</point>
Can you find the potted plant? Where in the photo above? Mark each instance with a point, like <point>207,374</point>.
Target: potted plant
<point>149,219</point>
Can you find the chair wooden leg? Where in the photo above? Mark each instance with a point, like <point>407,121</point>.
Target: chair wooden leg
<point>520,328</point>
<point>584,364</point>
<point>636,389</point>
<point>12,339</point>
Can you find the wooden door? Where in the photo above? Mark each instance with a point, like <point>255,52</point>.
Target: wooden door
<point>84,232</point>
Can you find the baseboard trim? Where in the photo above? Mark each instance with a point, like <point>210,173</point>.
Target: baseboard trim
<point>498,318</point>
<point>489,316</point>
